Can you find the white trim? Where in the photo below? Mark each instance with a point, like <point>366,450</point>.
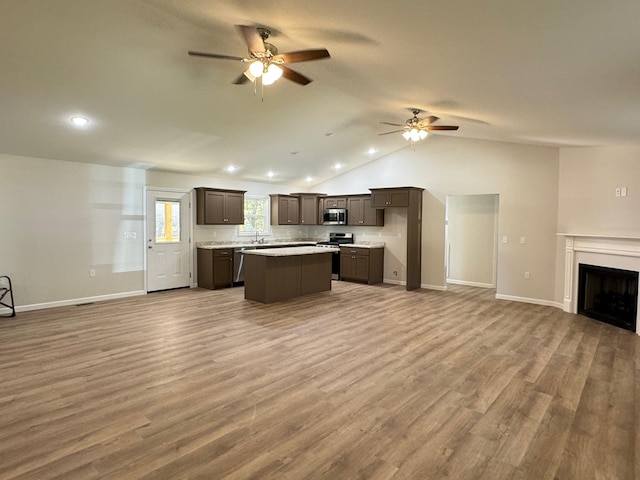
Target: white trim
<point>470,284</point>
<point>441,288</point>
<point>535,301</point>
<point>79,301</point>
<point>394,282</point>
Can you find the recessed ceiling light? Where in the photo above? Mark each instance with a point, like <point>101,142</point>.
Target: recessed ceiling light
<point>308,179</point>
<point>80,121</point>
<point>328,134</point>
<point>337,166</point>
<point>371,151</point>
<point>270,174</point>
<point>231,168</point>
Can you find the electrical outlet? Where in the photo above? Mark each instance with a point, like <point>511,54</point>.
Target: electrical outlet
<point>92,272</point>
<point>623,192</point>
<point>523,240</point>
<point>617,191</point>
<point>527,275</point>
<point>505,239</point>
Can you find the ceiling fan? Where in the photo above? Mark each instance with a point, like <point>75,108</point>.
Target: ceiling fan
<point>264,60</point>
<point>416,128</point>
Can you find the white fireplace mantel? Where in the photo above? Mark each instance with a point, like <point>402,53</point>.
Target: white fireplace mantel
<point>603,250</point>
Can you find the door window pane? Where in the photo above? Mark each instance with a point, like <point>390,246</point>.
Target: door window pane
<point>167,221</point>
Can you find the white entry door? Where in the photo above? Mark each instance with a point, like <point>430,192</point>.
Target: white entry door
<point>168,242</point>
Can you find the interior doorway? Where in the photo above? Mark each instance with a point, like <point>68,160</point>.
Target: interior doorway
<point>471,240</point>
<point>168,239</point>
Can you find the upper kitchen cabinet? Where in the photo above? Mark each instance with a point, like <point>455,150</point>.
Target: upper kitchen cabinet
<point>335,202</point>
<point>390,197</point>
<point>308,205</point>
<point>285,210</point>
<point>219,207</point>
<point>361,213</point>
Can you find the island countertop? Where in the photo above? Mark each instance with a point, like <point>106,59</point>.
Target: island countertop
<point>290,251</point>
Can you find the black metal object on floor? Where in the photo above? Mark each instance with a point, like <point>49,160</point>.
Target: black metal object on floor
<point>6,290</point>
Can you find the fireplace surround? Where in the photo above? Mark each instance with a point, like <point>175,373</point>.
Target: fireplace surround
<point>615,252</point>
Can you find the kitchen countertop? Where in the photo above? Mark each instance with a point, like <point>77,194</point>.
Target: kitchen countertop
<point>365,245</point>
<point>290,251</point>
<point>255,245</point>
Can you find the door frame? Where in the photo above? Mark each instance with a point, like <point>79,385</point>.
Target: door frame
<point>189,191</point>
<point>447,246</point>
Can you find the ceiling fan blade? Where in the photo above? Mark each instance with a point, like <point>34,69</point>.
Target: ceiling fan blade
<point>387,133</point>
<point>252,38</point>
<point>392,124</point>
<point>294,76</point>
<point>214,55</point>
<point>304,55</point>
<point>441,127</point>
<point>243,78</point>
<point>429,120</point>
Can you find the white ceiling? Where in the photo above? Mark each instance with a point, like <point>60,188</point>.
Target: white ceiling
<point>543,72</point>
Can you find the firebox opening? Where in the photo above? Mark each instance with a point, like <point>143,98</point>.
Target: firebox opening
<point>609,295</point>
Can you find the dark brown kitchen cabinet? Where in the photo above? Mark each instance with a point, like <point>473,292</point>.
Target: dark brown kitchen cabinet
<point>335,202</point>
<point>411,199</point>
<point>215,267</point>
<point>219,207</point>
<point>285,210</point>
<point>361,213</point>
<point>308,206</point>
<point>390,197</point>
<point>361,264</point>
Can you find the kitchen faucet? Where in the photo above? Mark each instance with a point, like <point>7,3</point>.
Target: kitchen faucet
<point>258,241</point>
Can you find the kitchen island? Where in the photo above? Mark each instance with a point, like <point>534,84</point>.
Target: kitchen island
<point>275,274</point>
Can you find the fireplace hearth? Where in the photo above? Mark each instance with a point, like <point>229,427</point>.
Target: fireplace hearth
<point>608,294</point>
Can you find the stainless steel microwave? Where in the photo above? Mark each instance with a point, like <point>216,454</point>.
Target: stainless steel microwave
<point>335,216</point>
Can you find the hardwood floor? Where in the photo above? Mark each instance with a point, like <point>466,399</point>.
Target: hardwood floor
<point>369,382</point>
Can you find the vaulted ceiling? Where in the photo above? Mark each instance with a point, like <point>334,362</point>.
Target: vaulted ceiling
<point>540,72</point>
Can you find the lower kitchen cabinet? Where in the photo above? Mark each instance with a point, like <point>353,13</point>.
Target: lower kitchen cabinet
<point>361,264</point>
<point>215,267</point>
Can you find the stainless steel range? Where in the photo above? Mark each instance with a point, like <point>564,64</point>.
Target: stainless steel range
<point>335,240</point>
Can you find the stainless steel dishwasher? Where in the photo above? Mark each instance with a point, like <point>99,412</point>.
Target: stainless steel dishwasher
<point>238,260</point>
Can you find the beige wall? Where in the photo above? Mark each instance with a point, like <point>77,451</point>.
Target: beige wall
<point>61,219</point>
<point>587,195</point>
<point>588,181</point>
<point>526,179</point>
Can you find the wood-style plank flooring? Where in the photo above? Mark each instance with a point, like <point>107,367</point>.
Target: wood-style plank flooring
<point>363,382</point>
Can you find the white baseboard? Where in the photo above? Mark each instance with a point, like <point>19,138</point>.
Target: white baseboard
<point>78,301</point>
<point>441,288</point>
<point>470,284</point>
<point>535,301</point>
<point>422,285</point>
